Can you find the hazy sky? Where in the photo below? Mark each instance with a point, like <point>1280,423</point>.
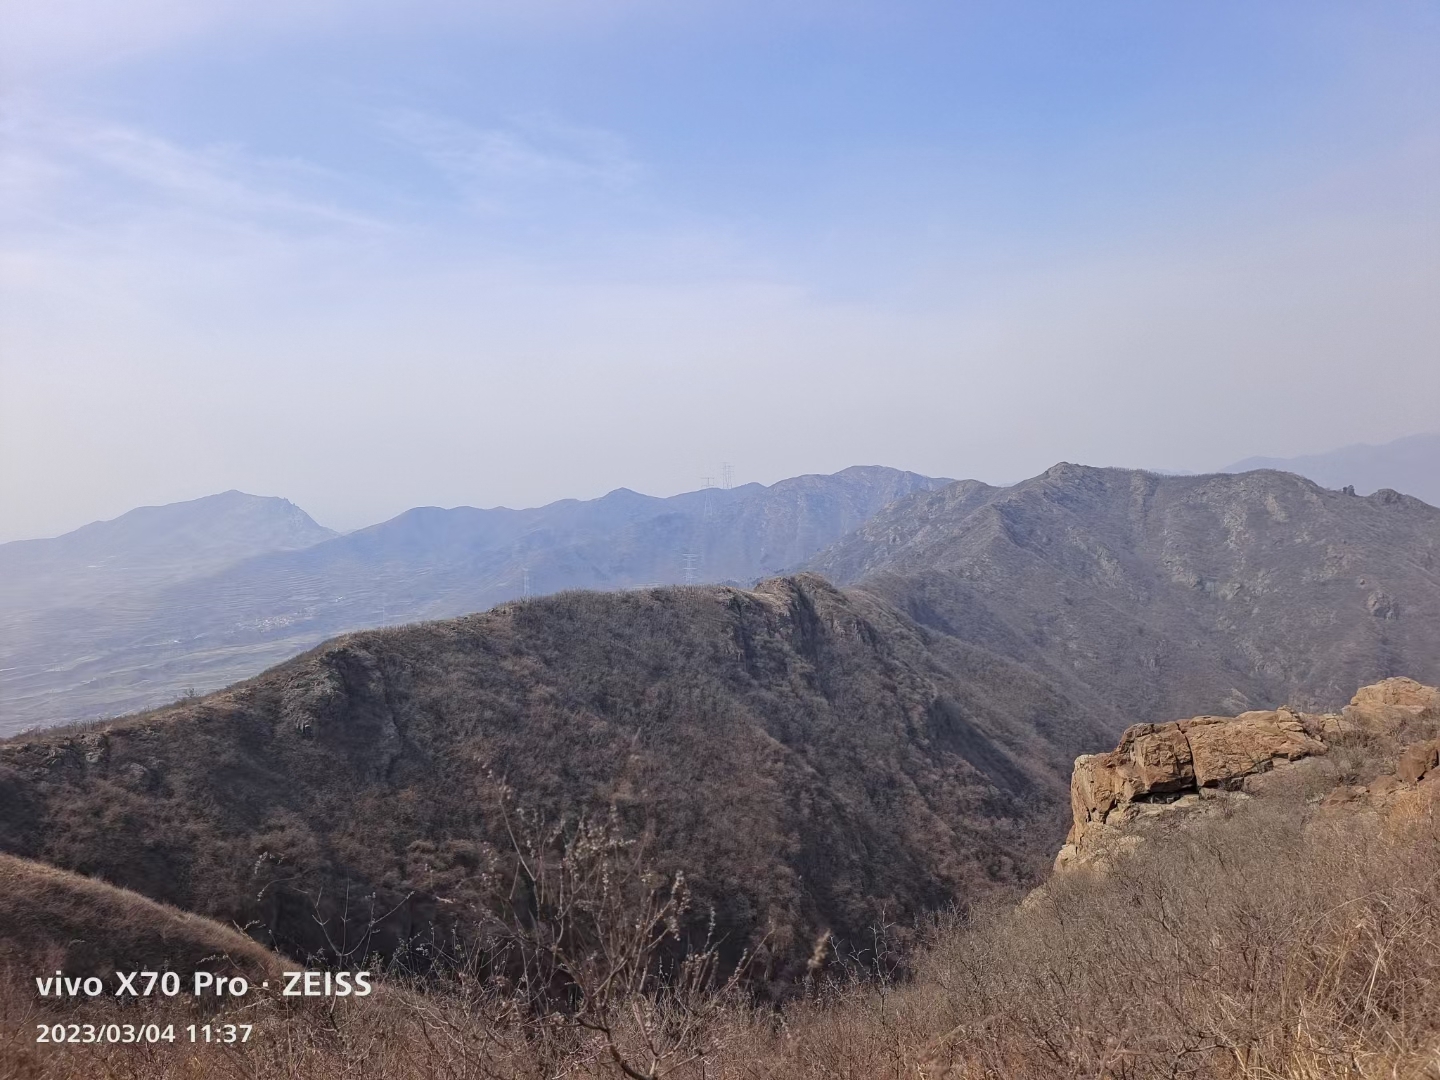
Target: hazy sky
<point>374,254</point>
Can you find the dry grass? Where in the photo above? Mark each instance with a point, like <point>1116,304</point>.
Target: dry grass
<point>1268,942</point>
<point>88,927</point>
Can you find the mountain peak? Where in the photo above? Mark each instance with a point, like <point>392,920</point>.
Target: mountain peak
<point>1220,590</point>
<point>149,545</point>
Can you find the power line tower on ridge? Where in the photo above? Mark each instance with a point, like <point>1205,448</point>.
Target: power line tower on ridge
<point>707,504</point>
<point>692,567</point>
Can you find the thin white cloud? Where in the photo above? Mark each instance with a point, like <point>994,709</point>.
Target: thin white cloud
<point>224,179</point>
<point>51,162</point>
<point>71,35</point>
<point>495,164</point>
<point>358,387</point>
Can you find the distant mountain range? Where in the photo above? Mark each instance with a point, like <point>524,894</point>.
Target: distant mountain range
<point>130,613</point>
<point>812,757</point>
<point>1411,465</point>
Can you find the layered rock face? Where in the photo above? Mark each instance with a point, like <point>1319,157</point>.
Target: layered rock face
<point>1160,768</point>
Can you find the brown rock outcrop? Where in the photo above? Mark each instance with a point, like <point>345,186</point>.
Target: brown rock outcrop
<point>1416,761</point>
<point>1387,705</point>
<point>1227,750</point>
<point>1157,767</point>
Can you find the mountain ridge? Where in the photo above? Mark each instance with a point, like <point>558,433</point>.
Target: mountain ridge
<point>1410,464</point>
<point>91,655</point>
<point>149,544</point>
<point>812,758</point>
<point>770,742</point>
<point>1149,595</point>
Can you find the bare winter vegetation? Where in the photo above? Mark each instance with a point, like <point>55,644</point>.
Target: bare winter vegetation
<point>1279,937</point>
<point>1150,597</point>
<point>705,832</point>
<point>807,759</point>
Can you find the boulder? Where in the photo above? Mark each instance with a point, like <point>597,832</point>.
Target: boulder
<point>1226,751</point>
<point>1382,786</point>
<point>1399,692</point>
<point>1417,760</point>
<point>1152,759</point>
<point>1097,786</point>
<point>1160,758</point>
<point>1386,706</point>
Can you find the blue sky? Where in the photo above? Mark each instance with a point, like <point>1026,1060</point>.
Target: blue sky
<point>373,255</point>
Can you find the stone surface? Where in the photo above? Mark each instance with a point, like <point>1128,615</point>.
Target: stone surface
<point>1418,760</point>
<point>1225,752</point>
<point>1383,785</point>
<point>1385,707</point>
<point>1164,768</point>
<point>1160,757</point>
<point>1403,692</point>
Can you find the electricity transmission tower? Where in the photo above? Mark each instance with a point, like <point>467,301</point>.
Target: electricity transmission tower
<point>707,504</point>
<point>692,568</point>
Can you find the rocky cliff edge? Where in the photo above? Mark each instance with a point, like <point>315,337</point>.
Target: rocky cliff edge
<point>1169,769</point>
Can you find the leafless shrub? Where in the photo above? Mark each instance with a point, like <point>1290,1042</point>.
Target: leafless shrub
<point>1359,756</point>
<point>602,946</point>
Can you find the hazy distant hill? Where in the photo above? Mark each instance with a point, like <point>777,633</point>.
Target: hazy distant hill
<point>812,760</point>
<point>149,546</point>
<point>1411,465</point>
<point>88,653</point>
<point>1149,597</point>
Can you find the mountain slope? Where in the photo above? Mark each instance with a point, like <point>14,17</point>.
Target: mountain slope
<point>1411,465</point>
<point>1147,597</point>
<point>80,659</point>
<point>812,761</point>
<point>51,919</point>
